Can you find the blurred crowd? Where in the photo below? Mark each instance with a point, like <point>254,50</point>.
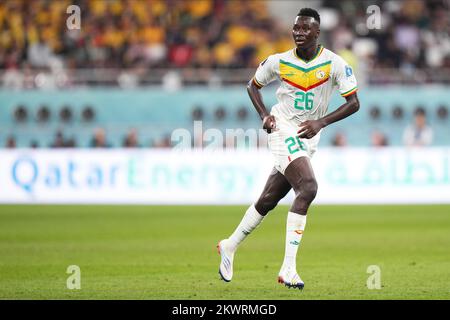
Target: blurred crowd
<point>149,35</point>
<point>99,139</point>
<point>413,33</point>
<point>130,33</point>
<point>214,33</point>
<point>418,133</point>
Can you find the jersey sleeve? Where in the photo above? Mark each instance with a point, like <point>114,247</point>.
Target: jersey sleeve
<point>266,72</point>
<point>344,77</point>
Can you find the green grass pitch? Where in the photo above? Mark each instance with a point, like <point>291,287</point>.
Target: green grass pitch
<point>169,252</point>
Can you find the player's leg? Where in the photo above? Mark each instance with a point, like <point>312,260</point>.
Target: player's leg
<point>275,189</point>
<point>300,175</point>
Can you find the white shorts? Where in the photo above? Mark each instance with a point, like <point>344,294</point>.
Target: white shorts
<point>285,146</point>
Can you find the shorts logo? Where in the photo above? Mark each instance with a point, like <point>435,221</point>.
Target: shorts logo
<point>295,243</point>
<point>348,71</point>
<point>298,231</point>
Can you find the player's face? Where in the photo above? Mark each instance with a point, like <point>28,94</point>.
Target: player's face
<point>305,31</point>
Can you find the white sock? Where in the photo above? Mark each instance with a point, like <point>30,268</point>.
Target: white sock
<point>249,222</point>
<point>295,225</point>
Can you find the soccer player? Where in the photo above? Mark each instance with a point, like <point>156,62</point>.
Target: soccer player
<point>308,74</point>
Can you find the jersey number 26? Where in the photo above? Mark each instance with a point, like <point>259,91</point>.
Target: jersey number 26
<point>304,100</point>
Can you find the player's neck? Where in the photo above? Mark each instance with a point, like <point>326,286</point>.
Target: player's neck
<point>306,54</point>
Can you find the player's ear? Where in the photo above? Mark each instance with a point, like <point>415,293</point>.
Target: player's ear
<point>317,33</point>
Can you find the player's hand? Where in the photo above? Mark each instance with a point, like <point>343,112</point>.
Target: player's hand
<point>269,123</point>
<point>309,129</point>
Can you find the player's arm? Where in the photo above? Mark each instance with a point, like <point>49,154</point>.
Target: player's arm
<point>268,120</point>
<point>310,128</point>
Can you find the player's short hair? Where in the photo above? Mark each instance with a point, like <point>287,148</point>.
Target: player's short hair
<point>420,111</point>
<point>308,12</point>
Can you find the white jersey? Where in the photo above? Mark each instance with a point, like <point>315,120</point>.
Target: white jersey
<point>304,94</point>
<point>306,87</point>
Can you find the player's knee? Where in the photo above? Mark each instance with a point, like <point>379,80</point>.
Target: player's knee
<point>309,190</point>
<point>266,203</point>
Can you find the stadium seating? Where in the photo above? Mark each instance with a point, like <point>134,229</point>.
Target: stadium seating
<point>155,114</point>
<point>156,36</point>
